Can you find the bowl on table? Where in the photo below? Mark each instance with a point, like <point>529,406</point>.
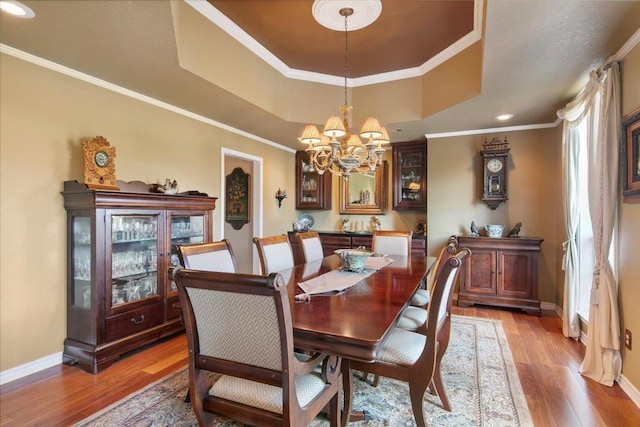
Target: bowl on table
<point>494,230</point>
<point>353,259</point>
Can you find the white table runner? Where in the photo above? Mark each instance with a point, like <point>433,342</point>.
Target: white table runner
<point>338,280</point>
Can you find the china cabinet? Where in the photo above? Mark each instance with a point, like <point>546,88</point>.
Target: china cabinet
<point>410,175</point>
<point>501,272</point>
<point>120,245</point>
<point>313,191</point>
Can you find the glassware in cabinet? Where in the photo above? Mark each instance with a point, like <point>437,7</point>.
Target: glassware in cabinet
<point>313,190</point>
<point>184,229</point>
<point>410,175</point>
<point>134,258</point>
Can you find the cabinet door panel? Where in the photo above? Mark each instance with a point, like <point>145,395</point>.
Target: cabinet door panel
<point>515,274</point>
<point>479,274</point>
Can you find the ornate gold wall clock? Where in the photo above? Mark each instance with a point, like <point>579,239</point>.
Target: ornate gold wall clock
<point>494,172</point>
<point>99,164</point>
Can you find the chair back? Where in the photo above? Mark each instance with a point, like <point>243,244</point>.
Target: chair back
<point>390,242</point>
<point>450,248</point>
<point>275,253</point>
<point>310,246</point>
<point>239,326</point>
<point>213,256</point>
<point>439,315</point>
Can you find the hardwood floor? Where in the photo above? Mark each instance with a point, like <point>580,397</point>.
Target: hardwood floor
<point>547,365</point>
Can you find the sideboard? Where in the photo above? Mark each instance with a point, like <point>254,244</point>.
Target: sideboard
<point>332,240</point>
<point>500,272</point>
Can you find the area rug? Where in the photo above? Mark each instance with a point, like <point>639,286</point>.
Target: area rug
<point>478,372</point>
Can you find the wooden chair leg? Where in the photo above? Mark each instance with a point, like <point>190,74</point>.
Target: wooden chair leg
<point>417,395</point>
<point>439,389</point>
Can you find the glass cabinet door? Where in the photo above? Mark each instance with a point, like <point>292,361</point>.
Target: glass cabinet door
<point>409,175</point>
<point>313,191</point>
<point>185,229</point>
<point>82,262</point>
<point>134,258</point>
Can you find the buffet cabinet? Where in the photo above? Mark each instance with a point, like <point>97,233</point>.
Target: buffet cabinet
<point>120,245</point>
<point>337,240</point>
<point>501,272</point>
<point>313,190</point>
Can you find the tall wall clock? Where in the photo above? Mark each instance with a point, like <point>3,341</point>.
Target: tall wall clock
<point>99,164</point>
<point>494,171</point>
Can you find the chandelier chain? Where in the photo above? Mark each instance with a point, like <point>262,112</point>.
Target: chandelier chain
<point>346,57</point>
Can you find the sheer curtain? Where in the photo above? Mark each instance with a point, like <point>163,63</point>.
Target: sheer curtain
<point>598,103</point>
<point>602,361</point>
<point>583,107</point>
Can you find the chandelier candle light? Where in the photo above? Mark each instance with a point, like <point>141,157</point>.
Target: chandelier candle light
<point>337,150</point>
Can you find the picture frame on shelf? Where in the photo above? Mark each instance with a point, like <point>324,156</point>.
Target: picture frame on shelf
<point>630,157</point>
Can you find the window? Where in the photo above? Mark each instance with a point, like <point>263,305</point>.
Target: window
<point>585,231</point>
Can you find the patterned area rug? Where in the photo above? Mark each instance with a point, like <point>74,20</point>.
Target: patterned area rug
<point>478,372</point>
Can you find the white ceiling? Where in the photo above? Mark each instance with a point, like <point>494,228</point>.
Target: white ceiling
<point>537,55</point>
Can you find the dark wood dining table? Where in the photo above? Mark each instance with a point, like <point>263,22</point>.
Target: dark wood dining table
<point>353,323</point>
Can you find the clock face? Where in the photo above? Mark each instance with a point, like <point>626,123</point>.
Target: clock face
<point>494,165</point>
<point>102,159</point>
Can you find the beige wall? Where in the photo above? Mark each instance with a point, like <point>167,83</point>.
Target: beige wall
<point>45,115</point>
<point>455,182</point>
<point>629,234</point>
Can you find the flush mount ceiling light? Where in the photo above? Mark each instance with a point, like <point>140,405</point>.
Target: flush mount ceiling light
<point>17,9</point>
<point>503,117</point>
<point>337,150</point>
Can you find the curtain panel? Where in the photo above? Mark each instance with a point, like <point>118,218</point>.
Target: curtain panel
<point>599,104</point>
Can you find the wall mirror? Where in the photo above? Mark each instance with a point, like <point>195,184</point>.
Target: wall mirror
<point>364,193</point>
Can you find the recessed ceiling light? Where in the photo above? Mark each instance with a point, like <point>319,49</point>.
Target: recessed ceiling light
<point>17,9</point>
<point>504,116</point>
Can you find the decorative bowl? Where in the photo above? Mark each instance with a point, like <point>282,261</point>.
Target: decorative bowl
<point>494,230</point>
<point>353,259</point>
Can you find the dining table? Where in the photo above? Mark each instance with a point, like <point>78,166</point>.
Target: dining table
<point>352,322</point>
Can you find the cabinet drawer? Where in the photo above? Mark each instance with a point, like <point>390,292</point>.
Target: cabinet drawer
<point>336,241</point>
<point>361,241</point>
<point>128,323</point>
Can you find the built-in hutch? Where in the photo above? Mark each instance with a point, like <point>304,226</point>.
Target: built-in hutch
<point>410,175</point>
<point>313,190</point>
<point>120,245</point>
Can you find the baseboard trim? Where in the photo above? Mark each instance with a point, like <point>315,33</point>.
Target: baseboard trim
<point>630,390</point>
<point>30,368</point>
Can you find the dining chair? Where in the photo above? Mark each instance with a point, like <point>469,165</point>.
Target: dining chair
<point>393,242</point>
<point>275,253</point>
<point>414,318</point>
<point>415,358</point>
<point>212,256</point>
<point>310,246</point>
<point>239,327</point>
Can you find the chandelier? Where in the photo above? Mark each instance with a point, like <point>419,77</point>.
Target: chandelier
<point>337,150</point>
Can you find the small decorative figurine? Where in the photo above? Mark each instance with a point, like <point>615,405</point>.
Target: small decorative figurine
<point>515,231</point>
<point>375,223</point>
<point>474,229</point>
<point>421,227</point>
<point>344,227</point>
